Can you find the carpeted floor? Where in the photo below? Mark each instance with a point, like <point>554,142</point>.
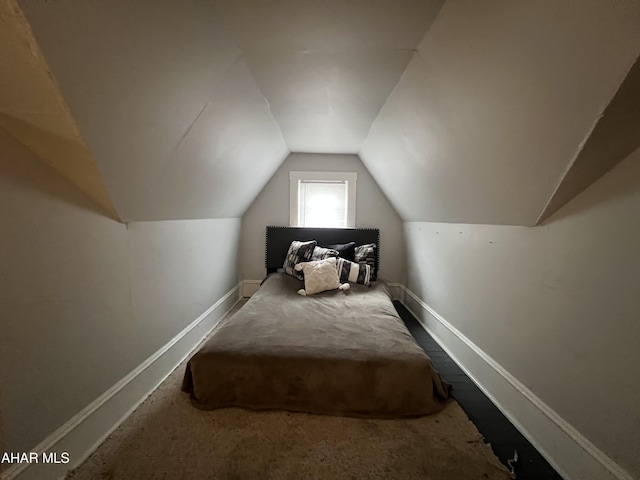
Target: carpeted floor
<point>167,438</point>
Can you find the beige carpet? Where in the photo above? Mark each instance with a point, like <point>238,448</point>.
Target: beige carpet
<point>167,438</point>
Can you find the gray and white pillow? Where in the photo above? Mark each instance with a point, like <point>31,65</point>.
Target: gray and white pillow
<point>321,253</point>
<point>319,275</point>
<point>298,252</point>
<point>366,254</point>
<point>353,272</point>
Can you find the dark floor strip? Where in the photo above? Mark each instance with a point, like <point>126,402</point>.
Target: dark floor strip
<point>490,422</point>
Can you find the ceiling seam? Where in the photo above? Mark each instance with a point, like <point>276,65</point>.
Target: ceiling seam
<point>223,78</point>
<point>386,101</point>
<point>253,77</point>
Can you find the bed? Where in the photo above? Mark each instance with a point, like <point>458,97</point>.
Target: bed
<point>337,353</point>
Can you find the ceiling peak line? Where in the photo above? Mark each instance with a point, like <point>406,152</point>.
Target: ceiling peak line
<point>165,163</point>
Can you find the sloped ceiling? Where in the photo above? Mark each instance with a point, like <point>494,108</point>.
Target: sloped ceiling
<point>615,136</point>
<point>326,67</point>
<point>496,104</point>
<point>165,103</point>
<point>170,96</point>
<point>471,112</point>
<point>33,111</point>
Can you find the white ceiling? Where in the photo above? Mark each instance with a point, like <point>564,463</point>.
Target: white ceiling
<point>469,112</point>
<point>326,101</point>
<point>326,67</point>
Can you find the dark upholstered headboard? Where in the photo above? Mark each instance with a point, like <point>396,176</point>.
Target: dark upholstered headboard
<point>278,240</point>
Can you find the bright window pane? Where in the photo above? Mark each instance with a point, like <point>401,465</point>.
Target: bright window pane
<point>322,204</point>
<point>322,199</point>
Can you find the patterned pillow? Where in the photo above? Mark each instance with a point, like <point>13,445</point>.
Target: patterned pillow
<point>345,250</point>
<point>366,254</point>
<point>319,276</point>
<point>298,252</point>
<point>320,253</point>
<point>353,272</point>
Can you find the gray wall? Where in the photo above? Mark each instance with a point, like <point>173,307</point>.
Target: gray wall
<point>84,299</point>
<point>556,305</point>
<point>373,209</point>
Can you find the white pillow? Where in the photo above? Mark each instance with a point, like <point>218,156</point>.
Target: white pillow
<point>319,276</point>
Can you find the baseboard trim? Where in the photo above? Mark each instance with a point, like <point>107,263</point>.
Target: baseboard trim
<point>397,291</point>
<point>85,431</point>
<point>249,287</point>
<point>572,455</point>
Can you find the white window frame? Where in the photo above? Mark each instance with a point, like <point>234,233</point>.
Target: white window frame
<point>349,178</point>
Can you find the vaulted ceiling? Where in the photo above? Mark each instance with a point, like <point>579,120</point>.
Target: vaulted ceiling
<point>33,110</point>
<point>467,111</point>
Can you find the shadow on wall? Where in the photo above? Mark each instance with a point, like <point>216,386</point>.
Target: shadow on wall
<point>614,138</point>
<point>21,166</point>
<point>600,193</point>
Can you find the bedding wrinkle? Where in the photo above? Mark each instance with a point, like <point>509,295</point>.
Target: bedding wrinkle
<point>330,353</point>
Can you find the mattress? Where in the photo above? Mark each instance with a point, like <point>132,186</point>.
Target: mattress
<point>332,353</point>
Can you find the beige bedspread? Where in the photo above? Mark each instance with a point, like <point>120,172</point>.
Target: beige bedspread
<point>332,353</point>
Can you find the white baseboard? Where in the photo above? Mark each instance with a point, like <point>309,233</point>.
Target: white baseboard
<point>397,291</point>
<point>566,449</point>
<point>84,432</point>
<point>572,455</point>
<point>249,287</point>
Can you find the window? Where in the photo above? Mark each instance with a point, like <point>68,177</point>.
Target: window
<point>322,199</point>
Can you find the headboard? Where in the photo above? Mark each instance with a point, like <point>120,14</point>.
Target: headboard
<point>278,240</point>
